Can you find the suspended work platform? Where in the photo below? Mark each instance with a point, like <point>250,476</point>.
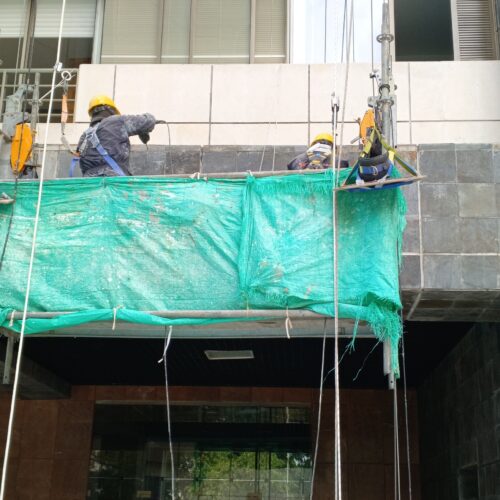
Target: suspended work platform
<point>212,256</point>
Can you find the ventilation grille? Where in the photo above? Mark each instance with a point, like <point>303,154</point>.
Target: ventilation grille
<point>476,38</point>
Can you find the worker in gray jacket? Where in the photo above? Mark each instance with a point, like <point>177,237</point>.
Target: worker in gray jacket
<point>104,148</point>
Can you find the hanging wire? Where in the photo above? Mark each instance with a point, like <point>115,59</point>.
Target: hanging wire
<point>364,361</point>
<point>320,405</point>
<point>372,46</point>
<point>397,469</point>
<point>407,427</point>
<point>30,269</point>
<point>163,360</point>
<point>346,350</point>
<point>276,109</point>
<point>344,26</point>
<point>336,167</point>
<point>19,43</point>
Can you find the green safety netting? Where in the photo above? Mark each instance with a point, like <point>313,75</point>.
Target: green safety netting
<point>121,246</point>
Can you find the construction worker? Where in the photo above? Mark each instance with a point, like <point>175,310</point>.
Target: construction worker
<point>318,155</point>
<point>104,148</point>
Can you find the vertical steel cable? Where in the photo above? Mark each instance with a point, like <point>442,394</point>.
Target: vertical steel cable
<point>30,269</point>
<point>336,167</point>
<point>320,407</point>
<point>163,360</point>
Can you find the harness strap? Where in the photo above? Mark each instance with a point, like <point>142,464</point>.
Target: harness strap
<point>91,136</point>
<point>395,155</point>
<point>74,162</point>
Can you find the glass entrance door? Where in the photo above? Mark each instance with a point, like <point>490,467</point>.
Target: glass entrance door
<point>248,453</point>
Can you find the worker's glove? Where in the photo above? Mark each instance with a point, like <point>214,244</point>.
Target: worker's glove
<point>319,151</point>
<point>144,137</point>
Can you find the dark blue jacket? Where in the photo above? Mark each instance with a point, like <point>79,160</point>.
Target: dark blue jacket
<point>113,133</point>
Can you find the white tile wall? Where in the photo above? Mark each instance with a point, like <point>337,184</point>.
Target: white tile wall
<point>93,79</point>
<point>175,93</point>
<point>450,101</point>
<point>466,90</point>
<point>259,93</point>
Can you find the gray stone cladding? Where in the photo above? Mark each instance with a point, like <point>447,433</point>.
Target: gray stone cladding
<point>459,420</point>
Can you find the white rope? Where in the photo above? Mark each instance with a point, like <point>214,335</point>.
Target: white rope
<point>30,269</point>
<point>336,167</point>
<point>11,322</point>
<point>276,109</point>
<point>407,427</point>
<point>320,406</point>
<point>397,470</point>
<point>288,324</point>
<point>163,360</point>
<point>115,310</point>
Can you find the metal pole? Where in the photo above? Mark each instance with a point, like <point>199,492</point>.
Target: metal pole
<point>9,356</point>
<point>219,314</point>
<point>386,100</point>
<point>388,363</point>
<point>35,106</point>
<point>384,104</point>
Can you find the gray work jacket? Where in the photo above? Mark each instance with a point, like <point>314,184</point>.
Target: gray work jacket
<point>113,133</point>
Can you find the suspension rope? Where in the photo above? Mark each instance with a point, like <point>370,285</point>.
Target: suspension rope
<point>163,360</point>
<point>268,129</point>
<point>336,168</point>
<point>397,470</point>
<point>372,47</point>
<point>30,269</point>
<point>19,43</point>
<point>320,406</point>
<point>407,429</point>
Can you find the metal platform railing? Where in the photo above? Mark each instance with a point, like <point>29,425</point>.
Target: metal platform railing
<point>10,79</point>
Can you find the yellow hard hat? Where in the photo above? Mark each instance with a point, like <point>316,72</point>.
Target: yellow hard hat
<point>323,137</point>
<point>102,100</point>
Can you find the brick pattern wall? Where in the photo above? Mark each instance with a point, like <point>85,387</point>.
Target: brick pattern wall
<point>52,439</point>
<point>459,416</point>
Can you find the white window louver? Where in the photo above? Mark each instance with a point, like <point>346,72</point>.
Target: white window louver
<point>79,18</point>
<point>221,31</point>
<point>176,28</point>
<point>474,29</point>
<point>12,15</point>
<point>270,31</point>
<point>130,31</point>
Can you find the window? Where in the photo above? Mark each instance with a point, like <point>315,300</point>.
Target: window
<point>319,31</point>
<point>220,452</point>
<point>41,18</point>
<point>473,29</point>
<point>29,32</point>
<point>441,30</point>
<point>194,31</point>
<point>423,30</point>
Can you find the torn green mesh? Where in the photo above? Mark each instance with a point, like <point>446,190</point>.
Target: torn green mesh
<point>151,244</point>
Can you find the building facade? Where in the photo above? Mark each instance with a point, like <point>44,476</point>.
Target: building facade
<point>245,85</point>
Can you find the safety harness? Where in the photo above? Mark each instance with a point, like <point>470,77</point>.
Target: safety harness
<point>91,137</point>
<point>378,168</point>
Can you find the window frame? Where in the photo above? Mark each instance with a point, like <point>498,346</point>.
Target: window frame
<point>456,34</point>
<point>29,30</point>
<point>99,23</point>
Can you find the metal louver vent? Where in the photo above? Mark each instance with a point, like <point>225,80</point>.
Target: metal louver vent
<point>476,38</point>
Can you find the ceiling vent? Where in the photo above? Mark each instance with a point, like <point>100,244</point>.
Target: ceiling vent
<point>229,355</point>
